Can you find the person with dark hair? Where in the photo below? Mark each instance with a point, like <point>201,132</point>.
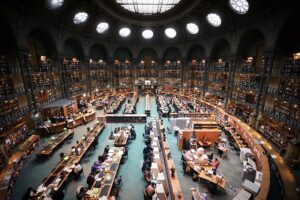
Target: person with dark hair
<point>150,190</point>
<point>30,194</point>
<point>106,149</point>
<point>90,180</point>
<point>211,157</point>
<point>77,169</point>
<point>80,193</point>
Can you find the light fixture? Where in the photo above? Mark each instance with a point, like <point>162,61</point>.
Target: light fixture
<point>80,17</point>
<point>124,32</point>
<point>239,6</point>
<point>214,19</point>
<point>55,3</point>
<point>192,28</point>
<point>148,7</point>
<point>102,27</point>
<point>147,34</point>
<point>170,32</point>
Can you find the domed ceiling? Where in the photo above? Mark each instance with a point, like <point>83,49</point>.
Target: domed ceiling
<point>145,20</point>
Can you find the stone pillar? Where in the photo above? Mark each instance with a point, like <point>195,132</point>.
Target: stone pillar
<point>230,81</point>
<point>61,70</point>
<point>266,73</point>
<point>26,76</point>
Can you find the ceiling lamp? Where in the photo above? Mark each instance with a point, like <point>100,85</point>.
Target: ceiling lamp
<point>102,27</point>
<point>192,28</point>
<point>56,3</point>
<point>124,32</point>
<point>214,19</point>
<point>239,6</point>
<point>170,32</point>
<point>80,17</point>
<point>147,34</point>
<point>148,7</point>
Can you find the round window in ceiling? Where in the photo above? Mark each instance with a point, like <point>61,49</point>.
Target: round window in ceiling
<point>124,32</point>
<point>147,34</point>
<point>148,7</point>
<point>102,27</point>
<point>80,17</point>
<point>56,3</point>
<point>239,6</point>
<point>192,28</point>
<point>214,19</point>
<point>170,32</point>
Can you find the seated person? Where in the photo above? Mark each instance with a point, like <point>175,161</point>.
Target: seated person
<point>96,167</point>
<point>90,180</point>
<point>147,175</point>
<point>215,164</point>
<point>205,141</point>
<point>77,169</point>
<point>211,157</point>
<point>150,190</point>
<point>118,181</point>
<point>106,149</point>
<point>80,193</point>
<point>30,194</point>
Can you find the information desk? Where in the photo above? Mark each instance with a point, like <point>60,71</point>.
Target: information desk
<point>212,178</point>
<point>54,143</point>
<point>104,180</point>
<point>249,136</point>
<point>126,118</point>
<point>51,129</point>
<point>81,118</point>
<point>61,173</point>
<point>202,167</point>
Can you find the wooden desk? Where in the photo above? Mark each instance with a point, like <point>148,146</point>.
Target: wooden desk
<point>147,107</point>
<point>174,184</point>
<point>61,173</point>
<point>7,172</point>
<point>250,136</point>
<point>212,179</point>
<point>53,144</point>
<point>54,128</point>
<point>208,143</point>
<point>103,187</point>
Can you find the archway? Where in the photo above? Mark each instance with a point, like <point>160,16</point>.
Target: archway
<point>172,54</point>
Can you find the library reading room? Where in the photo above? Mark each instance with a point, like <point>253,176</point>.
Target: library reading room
<point>150,100</point>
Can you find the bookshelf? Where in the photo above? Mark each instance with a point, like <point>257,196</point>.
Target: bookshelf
<point>246,88</point>
<point>123,74</point>
<point>282,102</point>
<point>172,74</point>
<point>13,101</point>
<point>217,81</point>
<point>195,78</point>
<point>74,75</point>
<point>98,74</point>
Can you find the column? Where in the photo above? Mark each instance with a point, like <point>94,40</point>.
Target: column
<point>27,80</point>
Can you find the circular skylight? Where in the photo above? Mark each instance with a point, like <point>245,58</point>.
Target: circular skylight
<point>124,32</point>
<point>102,27</point>
<point>239,6</point>
<point>148,7</point>
<point>214,19</point>
<point>80,17</point>
<point>56,3</point>
<point>147,34</point>
<point>192,28</point>
<point>170,32</point>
